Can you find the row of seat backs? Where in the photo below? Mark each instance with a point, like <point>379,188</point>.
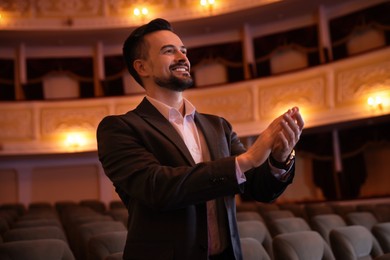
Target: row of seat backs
<point>252,225</point>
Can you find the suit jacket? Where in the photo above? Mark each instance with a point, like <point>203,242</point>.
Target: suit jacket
<point>163,189</point>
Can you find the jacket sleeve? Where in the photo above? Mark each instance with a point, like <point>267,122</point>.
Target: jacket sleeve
<point>261,185</point>
<point>146,166</point>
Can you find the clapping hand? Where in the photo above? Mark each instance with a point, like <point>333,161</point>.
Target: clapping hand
<point>279,138</point>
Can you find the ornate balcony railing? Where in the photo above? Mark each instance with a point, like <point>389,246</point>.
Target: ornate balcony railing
<point>351,89</point>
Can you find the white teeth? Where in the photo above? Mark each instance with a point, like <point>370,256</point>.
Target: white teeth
<point>180,69</point>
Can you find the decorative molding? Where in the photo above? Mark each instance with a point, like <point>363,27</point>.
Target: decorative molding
<point>234,104</point>
<point>354,84</point>
<point>308,94</point>
<point>16,124</point>
<point>65,8</point>
<point>61,120</point>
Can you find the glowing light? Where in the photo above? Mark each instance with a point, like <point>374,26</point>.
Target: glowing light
<point>207,2</point>
<point>375,102</point>
<point>75,140</point>
<point>208,5</point>
<point>379,100</point>
<point>141,11</point>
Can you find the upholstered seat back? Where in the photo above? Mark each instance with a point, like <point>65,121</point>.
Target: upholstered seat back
<point>253,250</point>
<point>354,242</point>
<point>103,245</point>
<point>364,218</point>
<point>36,250</point>
<point>301,245</point>
<point>257,230</point>
<point>381,232</point>
<point>33,233</point>
<point>288,225</point>
<point>323,224</point>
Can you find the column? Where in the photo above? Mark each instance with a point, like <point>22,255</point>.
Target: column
<point>248,53</point>
<point>99,73</point>
<point>20,71</point>
<point>325,43</point>
<point>338,164</point>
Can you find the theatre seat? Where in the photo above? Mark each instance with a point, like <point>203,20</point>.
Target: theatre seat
<point>89,230</point>
<point>301,245</point>
<point>37,223</point>
<point>381,232</point>
<point>354,243</point>
<point>249,215</point>
<point>318,209</point>
<point>365,218</point>
<point>253,250</point>
<point>323,224</point>
<point>34,233</point>
<point>266,207</point>
<point>96,205</point>
<point>104,245</point>
<point>342,210</point>
<point>297,209</point>
<point>36,250</point>
<point>288,225</point>
<point>257,230</point>
<point>277,214</point>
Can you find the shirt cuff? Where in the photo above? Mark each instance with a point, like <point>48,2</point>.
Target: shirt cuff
<point>239,174</point>
<point>280,174</point>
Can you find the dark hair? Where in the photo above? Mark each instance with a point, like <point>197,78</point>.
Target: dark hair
<point>135,47</point>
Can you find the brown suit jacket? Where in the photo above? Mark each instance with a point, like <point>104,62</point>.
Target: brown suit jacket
<point>163,189</point>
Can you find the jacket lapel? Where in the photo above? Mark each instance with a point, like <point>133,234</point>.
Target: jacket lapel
<point>154,118</point>
<point>210,134</point>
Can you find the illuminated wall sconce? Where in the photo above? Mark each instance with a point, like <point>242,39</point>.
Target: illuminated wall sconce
<point>208,4</point>
<point>378,101</point>
<point>75,140</point>
<point>141,12</point>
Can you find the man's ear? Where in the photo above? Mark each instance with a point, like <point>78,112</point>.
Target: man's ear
<point>139,66</point>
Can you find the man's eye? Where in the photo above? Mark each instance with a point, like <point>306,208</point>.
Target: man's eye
<point>169,51</point>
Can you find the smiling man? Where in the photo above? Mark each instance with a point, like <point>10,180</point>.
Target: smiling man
<point>178,170</point>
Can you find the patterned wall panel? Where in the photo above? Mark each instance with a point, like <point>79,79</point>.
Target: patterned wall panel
<point>16,124</point>
<point>355,84</point>
<point>236,105</point>
<point>309,94</point>
<point>59,120</point>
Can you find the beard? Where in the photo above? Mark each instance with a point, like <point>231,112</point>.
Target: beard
<point>174,83</point>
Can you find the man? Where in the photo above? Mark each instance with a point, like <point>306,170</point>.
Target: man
<point>177,170</point>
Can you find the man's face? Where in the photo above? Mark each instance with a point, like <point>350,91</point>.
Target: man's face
<point>167,61</point>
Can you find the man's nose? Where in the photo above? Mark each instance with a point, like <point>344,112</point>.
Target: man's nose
<point>181,56</point>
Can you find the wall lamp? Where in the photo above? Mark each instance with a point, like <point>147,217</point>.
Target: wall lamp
<point>208,4</point>
<point>141,12</point>
<point>378,101</point>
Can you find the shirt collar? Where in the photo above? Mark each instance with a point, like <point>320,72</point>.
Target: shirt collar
<point>171,113</point>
